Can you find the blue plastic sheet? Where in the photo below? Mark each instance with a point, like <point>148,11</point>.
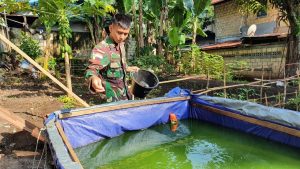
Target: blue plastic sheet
<point>83,130</point>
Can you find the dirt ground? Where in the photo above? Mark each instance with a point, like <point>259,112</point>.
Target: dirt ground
<point>32,101</point>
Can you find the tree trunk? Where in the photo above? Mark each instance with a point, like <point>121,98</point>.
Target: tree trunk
<point>47,52</point>
<point>195,30</point>
<point>141,37</point>
<point>162,21</point>
<point>292,57</point>
<point>194,43</point>
<point>160,33</point>
<point>97,31</point>
<point>68,68</point>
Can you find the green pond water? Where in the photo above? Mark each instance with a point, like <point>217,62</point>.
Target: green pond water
<point>195,145</point>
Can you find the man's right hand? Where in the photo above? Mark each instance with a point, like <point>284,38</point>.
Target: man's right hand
<point>97,85</point>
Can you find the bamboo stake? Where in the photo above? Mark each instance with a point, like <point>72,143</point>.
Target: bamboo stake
<point>67,143</point>
<point>266,99</point>
<point>43,70</point>
<point>279,99</point>
<point>262,83</point>
<point>298,73</point>
<point>297,105</point>
<point>224,71</point>
<point>284,89</point>
<point>207,78</point>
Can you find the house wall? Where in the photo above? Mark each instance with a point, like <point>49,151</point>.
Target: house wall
<point>270,58</point>
<point>228,21</point>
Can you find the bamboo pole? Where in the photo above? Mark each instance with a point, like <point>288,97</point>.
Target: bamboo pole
<point>67,143</point>
<point>177,80</point>
<point>43,70</point>
<point>224,80</point>
<point>220,88</point>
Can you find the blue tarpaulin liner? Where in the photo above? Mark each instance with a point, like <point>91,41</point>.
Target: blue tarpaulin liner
<point>90,128</point>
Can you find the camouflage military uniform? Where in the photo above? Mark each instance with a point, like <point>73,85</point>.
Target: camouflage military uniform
<point>108,64</point>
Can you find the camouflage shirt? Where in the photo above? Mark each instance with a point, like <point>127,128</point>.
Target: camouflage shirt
<point>108,64</point>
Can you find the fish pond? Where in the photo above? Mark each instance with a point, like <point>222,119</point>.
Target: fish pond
<point>194,145</point>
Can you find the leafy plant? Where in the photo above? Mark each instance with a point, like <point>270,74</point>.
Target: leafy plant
<point>234,67</point>
<point>154,62</point>
<point>30,46</point>
<point>69,102</point>
<point>202,63</point>
<point>52,63</point>
<point>239,94</point>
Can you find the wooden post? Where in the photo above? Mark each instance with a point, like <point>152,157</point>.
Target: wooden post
<point>43,70</point>
<point>297,105</point>
<point>20,123</point>
<point>67,143</point>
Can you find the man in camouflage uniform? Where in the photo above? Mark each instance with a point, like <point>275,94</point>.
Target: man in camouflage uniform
<point>107,69</point>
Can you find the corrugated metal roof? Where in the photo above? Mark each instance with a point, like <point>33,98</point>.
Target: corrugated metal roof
<point>273,37</point>
<point>223,45</point>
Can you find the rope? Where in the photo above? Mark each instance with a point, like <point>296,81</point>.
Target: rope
<point>41,155</point>
<point>45,157</point>
<point>36,147</point>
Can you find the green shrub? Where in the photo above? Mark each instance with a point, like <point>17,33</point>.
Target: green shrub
<point>69,102</point>
<point>30,46</point>
<point>154,62</point>
<point>196,61</point>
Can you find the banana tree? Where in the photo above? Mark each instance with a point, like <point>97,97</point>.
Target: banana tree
<point>196,7</point>
<point>92,12</point>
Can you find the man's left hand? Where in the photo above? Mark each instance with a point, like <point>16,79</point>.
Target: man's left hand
<point>132,69</point>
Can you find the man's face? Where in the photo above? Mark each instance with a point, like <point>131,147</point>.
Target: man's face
<point>117,33</point>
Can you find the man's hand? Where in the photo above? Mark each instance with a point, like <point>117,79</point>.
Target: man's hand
<point>132,69</point>
<point>97,85</point>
